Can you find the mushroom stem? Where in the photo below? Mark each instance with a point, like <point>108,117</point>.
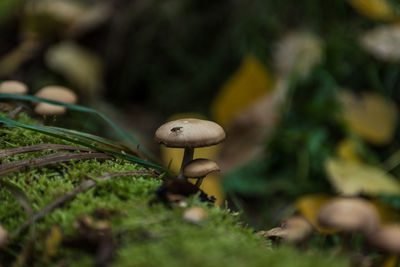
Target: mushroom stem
<point>199,181</point>
<point>187,156</point>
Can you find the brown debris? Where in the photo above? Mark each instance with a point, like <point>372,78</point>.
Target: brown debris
<point>41,147</point>
<point>69,195</point>
<point>22,165</point>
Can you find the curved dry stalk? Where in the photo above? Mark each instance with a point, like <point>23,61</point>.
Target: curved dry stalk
<point>35,148</point>
<point>15,166</point>
<point>69,195</point>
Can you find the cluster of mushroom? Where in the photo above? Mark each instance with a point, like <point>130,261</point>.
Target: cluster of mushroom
<point>356,215</point>
<point>53,92</point>
<point>190,134</point>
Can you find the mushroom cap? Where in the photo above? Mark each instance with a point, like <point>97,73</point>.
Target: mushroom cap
<point>293,230</point>
<point>387,238</point>
<point>189,133</point>
<point>49,109</point>
<point>349,215</point>
<point>199,168</point>
<point>195,215</point>
<point>57,93</point>
<point>13,87</point>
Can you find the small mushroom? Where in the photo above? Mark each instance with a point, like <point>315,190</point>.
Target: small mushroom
<point>56,93</point>
<point>349,215</point>
<point>294,230</point>
<point>195,215</point>
<point>188,134</point>
<point>386,238</point>
<point>200,168</point>
<point>13,87</point>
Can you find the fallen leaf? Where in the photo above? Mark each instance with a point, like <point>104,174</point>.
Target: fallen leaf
<point>346,150</point>
<point>251,81</point>
<point>383,42</point>
<point>352,179</point>
<point>80,66</point>
<point>296,54</point>
<point>370,116</point>
<point>251,127</point>
<point>374,9</point>
<point>52,241</point>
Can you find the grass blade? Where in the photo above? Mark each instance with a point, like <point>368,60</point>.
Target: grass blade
<point>82,109</point>
<point>61,135</point>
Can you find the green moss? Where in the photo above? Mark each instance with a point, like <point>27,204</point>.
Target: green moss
<point>144,235</point>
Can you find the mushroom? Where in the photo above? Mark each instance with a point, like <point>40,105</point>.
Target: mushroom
<point>13,87</point>
<point>293,230</point>
<point>199,168</point>
<point>387,238</point>
<point>188,134</point>
<point>56,93</point>
<point>195,215</point>
<point>349,215</point>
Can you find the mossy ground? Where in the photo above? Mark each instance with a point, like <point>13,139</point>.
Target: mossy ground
<point>145,235</point>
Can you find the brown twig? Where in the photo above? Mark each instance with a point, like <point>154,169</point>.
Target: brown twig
<point>35,148</point>
<point>14,112</point>
<point>15,166</point>
<point>69,195</point>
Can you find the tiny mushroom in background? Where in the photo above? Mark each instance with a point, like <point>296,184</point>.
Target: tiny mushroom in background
<point>349,215</point>
<point>13,87</point>
<point>195,215</point>
<point>56,93</point>
<point>199,168</point>
<point>188,134</point>
<point>293,230</point>
<point>386,238</point>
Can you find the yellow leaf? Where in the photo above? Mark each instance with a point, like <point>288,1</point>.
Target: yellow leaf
<point>391,261</point>
<point>251,81</point>
<point>350,178</point>
<point>346,150</point>
<point>309,206</point>
<point>386,213</point>
<point>53,241</point>
<point>173,156</point>
<point>374,9</point>
<point>372,117</point>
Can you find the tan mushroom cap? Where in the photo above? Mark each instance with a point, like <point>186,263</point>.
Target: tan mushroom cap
<point>13,87</point>
<point>293,230</point>
<point>349,215</point>
<point>387,238</point>
<point>199,168</point>
<point>57,93</point>
<point>49,109</point>
<point>190,133</point>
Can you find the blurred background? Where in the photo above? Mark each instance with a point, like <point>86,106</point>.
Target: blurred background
<point>307,91</point>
